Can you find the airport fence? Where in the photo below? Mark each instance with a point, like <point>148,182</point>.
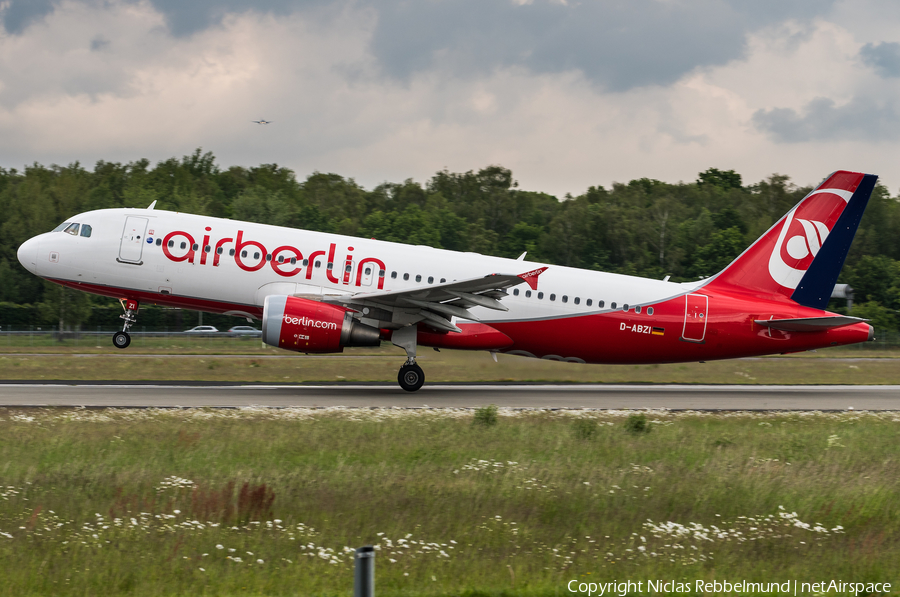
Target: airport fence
<point>12,336</point>
<point>19,335</point>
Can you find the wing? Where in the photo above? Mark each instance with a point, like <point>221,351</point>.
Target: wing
<point>437,304</point>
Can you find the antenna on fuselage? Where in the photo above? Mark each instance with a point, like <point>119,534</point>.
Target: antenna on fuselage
<point>152,205</point>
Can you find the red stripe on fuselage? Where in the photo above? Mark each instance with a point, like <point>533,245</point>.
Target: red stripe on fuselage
<point>615,337</point>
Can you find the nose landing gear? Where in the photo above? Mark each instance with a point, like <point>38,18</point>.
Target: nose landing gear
<point>411,376</point>
<point>123,339</point>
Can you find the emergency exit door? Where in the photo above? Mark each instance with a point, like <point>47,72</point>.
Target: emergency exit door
<point>695,317</point>
<point>132,245</point>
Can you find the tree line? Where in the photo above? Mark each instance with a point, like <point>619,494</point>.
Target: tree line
<point>644,227</point>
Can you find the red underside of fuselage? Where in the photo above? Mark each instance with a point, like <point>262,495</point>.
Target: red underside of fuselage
<point>615,337</point>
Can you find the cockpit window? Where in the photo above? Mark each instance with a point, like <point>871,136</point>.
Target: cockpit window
<point>72,229</point>
<point>86,230</point>
<point>61,227</point>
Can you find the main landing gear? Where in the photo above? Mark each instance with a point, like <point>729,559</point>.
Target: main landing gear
<point>123,339</point>
<point>411,376</point>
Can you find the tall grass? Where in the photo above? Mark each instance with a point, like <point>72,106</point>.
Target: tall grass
<point>271,502</point>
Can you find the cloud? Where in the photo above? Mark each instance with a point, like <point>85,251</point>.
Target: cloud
<point>861,119</point>
<point>884,57</point>
<point>616,45</point>
<point>18,14</point>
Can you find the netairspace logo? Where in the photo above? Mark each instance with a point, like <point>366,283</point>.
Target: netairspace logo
<point>622,588</point>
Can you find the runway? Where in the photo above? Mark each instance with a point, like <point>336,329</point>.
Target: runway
<point>674,397</point>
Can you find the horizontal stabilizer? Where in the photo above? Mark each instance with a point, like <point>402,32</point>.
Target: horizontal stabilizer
<point>809,324</point>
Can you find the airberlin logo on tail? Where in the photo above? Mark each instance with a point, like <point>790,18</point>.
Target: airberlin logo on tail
<point>285,260</point>
<point>801,238</point>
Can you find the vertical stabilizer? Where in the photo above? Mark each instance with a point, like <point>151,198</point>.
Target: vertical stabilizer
<point>801,256</point>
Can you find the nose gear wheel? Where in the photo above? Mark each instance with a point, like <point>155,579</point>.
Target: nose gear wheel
<point>121,339</point>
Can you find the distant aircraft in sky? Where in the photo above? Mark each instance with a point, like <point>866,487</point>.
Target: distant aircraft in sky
<point>319,292</point>
<point>263,121</point>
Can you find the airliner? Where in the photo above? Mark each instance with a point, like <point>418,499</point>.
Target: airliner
<point>318,293</point>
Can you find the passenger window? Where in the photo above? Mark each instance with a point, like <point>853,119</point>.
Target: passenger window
<point>601,304</point>
<point>219,251</point>
<point>527,294</point>
<point>406,276</point>
<point>184,246</point>
<point>393,275</point>
<point>540,295</point>
<point>244,254</point>
<point>86,232</point>
<point>281,259</point>
<point>293,261</point>
<point>318,263</point>
<point>305,262</point>
<point>231,252</point>
<point>381,273</point>
<point>612,305</point>
<point>418,277</point>
<point>171,243</point>
<point>577,300</point>
<point>431,279</point>
<point>158,242</point>
<point>348,268</point>
<point>649,310</point>
<point>256,255</point>
<point>588,302</point>
<point>515,292</point>
<point>625,307</point>
<point>368,270</point>
<point>443,280</point>
<point>565,298</point>
<point>330,266</point>
<point>552,297</point>
<point>637,309</point>
<point>207,249</point>
<point>195,247</point>
<point>72,229</point>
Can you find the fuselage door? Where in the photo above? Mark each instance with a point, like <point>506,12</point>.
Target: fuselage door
<point>133,240</point>
<point>695,317</point>
<point>368,273</point>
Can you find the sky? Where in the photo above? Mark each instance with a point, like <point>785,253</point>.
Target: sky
<point>566,93</point>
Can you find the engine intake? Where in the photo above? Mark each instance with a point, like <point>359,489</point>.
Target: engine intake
<point>303,325</point>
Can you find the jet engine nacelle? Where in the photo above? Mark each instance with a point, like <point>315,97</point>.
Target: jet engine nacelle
<point>310,326</point>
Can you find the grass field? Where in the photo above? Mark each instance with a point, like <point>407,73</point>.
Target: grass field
<point>381,365</point>
<point>269,502</point>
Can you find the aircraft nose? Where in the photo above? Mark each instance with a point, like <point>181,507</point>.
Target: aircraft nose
<point>28,253</point>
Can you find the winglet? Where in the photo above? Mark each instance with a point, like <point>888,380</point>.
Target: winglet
<point>532,277</point>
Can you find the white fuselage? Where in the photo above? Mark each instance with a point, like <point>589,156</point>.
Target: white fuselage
<point>123,258</point>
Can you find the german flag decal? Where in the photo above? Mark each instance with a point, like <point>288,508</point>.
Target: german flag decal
<point>658,331</point>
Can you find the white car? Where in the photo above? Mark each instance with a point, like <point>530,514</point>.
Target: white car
<point>245,330</point>
<point>202,329</point>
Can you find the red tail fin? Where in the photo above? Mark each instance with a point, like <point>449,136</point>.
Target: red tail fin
<point>777,262</point>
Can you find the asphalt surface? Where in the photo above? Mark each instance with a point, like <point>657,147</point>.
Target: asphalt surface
<point>674,397</point>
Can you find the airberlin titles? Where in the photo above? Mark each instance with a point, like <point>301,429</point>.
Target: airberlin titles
<point>252,255</point>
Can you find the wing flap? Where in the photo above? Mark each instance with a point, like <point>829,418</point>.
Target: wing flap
<point>437,304</point>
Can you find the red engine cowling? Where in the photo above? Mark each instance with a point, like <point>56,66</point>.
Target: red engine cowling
<point>310,326</point>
